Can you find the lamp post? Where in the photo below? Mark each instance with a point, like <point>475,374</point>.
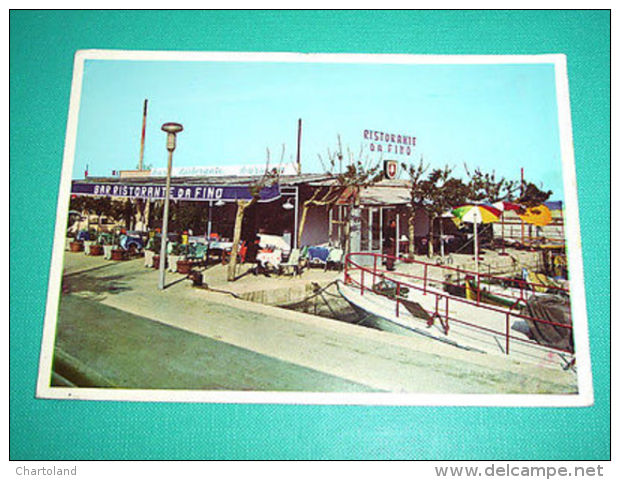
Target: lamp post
<point>171,129</point>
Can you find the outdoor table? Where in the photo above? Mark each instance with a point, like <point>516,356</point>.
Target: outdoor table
<point>272,258</point>
<point>223,247</point>
<point>273,242</point>
<point>218,245</point>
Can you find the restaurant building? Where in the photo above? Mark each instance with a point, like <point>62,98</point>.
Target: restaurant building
<point>278,210</point>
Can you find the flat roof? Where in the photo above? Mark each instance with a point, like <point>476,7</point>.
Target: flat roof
<point>284,180</point>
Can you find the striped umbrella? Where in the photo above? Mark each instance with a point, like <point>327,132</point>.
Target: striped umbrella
<point>505,206</point>
<point>477,213</point>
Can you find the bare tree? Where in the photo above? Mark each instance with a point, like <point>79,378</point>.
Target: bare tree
<point>269,177</point>
<point>324,196</point>
<point>350,174</point>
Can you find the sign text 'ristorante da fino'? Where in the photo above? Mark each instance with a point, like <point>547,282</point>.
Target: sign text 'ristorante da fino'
<point>195,193</point>
<point>386,142</point>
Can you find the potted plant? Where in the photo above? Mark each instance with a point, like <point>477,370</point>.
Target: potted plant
<point>177,254</point>
<point>76,245</point>
<point>96,249</point>
<point>152,248</point>
<point>89,240</point>
<point>156,260</point>
<point>107,242</point>
<point>184,265</point>
<point>118,253</point>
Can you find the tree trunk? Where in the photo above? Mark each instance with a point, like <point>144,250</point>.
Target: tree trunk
<point>347,232</point>
<point>431,250</point>
<point>232,264</point>
<point>441,237</point>
<point>302,223</point>
<point>411,232</point>
<point>147,214</point>
<point>330,226</point>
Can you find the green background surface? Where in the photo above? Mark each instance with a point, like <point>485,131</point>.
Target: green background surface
<point>42,45</point>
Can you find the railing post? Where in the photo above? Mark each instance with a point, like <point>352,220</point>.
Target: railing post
<point>397,296</point>
<point>374,270</point>
<point>425,276</point>
<point>507,334</point>
<point>362,280</point>
<point>447,316</point>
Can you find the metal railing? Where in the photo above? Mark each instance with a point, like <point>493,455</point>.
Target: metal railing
<point>426,285</point>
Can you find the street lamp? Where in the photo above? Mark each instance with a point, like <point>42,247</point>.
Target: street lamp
<point>171,129</point>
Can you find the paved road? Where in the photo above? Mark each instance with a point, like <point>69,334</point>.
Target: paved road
<point>119,349</point>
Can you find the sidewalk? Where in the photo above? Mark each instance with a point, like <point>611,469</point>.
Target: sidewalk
<point>365,357</point>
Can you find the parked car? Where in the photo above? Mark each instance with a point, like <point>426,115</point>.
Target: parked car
<point>132,242</point>
<point>73,222</point>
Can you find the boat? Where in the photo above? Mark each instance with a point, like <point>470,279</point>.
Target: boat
<point>494,321</point>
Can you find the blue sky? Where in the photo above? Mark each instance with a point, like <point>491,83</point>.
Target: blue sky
<point>496,117</point>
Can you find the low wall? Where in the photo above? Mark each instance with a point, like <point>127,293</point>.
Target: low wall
<point>280,296</point>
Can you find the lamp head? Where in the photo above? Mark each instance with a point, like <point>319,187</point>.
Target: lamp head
<point>171,129</point>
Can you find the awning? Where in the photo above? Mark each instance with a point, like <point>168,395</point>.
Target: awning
<point>383,195</point>
<point>193,193</point>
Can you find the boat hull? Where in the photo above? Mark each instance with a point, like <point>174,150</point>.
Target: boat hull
<point>483,330</point>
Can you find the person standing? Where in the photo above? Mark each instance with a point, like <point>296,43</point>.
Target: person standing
<point>390,244</point>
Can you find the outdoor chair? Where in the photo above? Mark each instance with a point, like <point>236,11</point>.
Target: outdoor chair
<point>303,257</point>
<point>334,258</point>
<point>318,255</point>
<point>198,251</point>
<point>292,264</point>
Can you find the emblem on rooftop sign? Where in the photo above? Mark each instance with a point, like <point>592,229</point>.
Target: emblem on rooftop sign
<point>390,169</point>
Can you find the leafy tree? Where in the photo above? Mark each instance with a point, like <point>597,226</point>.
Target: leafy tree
<point>442,192</point>
<point>532,196</point>
<point>485,187</point>
<point>123,209</point>
<point>417,194</point>
<point>101,206</point>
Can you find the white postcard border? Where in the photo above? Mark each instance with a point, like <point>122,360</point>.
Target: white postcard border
<point>584,397</point>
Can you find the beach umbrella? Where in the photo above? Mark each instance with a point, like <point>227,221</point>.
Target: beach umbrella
<point>505,206</point>
<point>539,215</point>
<point>477,213</point>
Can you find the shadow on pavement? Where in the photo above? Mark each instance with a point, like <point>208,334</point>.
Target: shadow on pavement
<point>98,286</point>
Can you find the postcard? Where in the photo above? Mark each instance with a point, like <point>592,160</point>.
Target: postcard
<point>317,229</point>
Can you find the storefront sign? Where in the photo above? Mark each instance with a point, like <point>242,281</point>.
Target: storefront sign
<point>196,193</point>
<point>386,142</point>
<point>224,170</point>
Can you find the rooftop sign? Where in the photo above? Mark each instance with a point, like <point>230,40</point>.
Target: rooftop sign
<point>224,170</point>
<point>387,142</point>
